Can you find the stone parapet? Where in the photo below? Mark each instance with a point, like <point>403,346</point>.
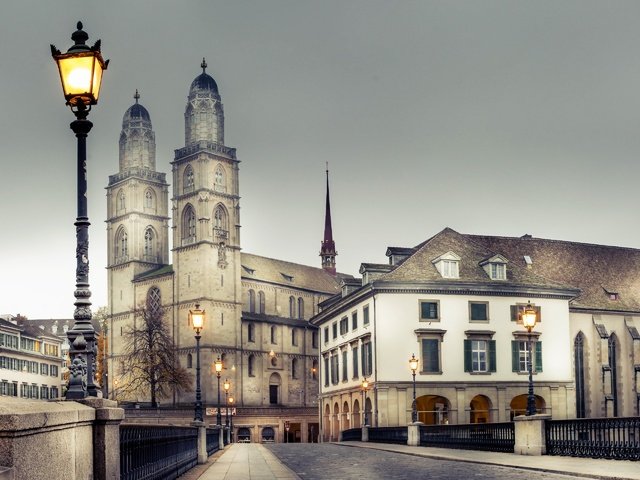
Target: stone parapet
<point>530,435</point>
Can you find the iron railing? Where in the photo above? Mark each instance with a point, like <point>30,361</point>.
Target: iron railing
<point>352,434</point>
<point>389,435</point>
<point>492,437</point>
<point>156,452</point>
<point>613,438</point>
<point>213,440</point>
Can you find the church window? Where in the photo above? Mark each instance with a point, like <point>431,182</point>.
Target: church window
<point>121,247</point>
<point>154,301</point>
<point>121,201</point>
<point>273,334</point>
<point>251,364</point>
<point>294,337</point>
<point>148,199</point>
<point>189,361</point>
<point>189,225</point>
<point>251,332</point>
<point>252,301</point>
<point>220,218</point>
<point>613,365</point>
<point>219,179</point>
<point>189,181</point>
<point>148,244</point>
<point>294,368</point>
<point>300,308</point>
<point>578,354</point>
<point>292,307</point>
<point>261,302</point>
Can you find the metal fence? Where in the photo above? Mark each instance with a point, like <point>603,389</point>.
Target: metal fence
<point>389,435</point>
<point>157,452</point>
<point>352,434</point>
<point>613,438</point>
<point>493,437</point>
<point>213,440</point>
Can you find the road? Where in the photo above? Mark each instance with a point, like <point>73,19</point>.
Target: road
<point>321,461</point>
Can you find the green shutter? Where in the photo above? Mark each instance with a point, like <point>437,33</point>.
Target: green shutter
<point>492,355</point>
<point>467,355</point>
<point>538,356</point>
<point>514,313</point>
<point>515,354</point>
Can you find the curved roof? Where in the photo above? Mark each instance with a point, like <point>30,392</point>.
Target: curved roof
<point>136,112</point>
<point>204,82</point>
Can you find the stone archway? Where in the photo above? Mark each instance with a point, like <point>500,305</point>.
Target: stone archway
<point>480,409</point>
<point>346,418</point>
<point>433,409</point>
<point>518,405</point>
<point>335,432</point>
<point>356,415</point>
<point>326,433</point>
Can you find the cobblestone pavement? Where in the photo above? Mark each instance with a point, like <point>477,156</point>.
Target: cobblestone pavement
<point>320,461</point>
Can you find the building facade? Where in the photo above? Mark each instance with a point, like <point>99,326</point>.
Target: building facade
<point>455,302</point>
<point>257,308</point>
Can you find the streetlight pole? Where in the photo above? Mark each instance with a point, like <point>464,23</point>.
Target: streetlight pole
<point>218,365</point>
<point>529,319</point>
<point>227,386</point>
<point>81,69</point>
<point>413,365</point>
<point>231,422</point>
<point>365,385</point>
<point>197,322</point>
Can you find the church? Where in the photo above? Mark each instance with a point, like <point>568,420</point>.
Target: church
<point>257,308</point>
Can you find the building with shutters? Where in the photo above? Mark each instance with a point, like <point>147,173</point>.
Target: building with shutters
<point>455,302</point>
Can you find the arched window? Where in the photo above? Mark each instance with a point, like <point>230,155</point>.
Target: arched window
<point>300,308</point>
<point>578,361</point>
<point>154,300</point>
<point>149,199</point>
<point>219,179</point>
<point>189,224</point>
<point>149,240</point>
<point>273,334</point>
<point>121,246</point>
<point>121,200</point>
<point>292,307</point>
<point>251,365</point>
<point>294,368</point>
<point>294,336</point>
<point>251,332</point>
<point>220,218</point>
<point>261,302</point>
<point>188,179</point>
<point>613,364</point>
<point>252,301</point>
<point>189,361</point>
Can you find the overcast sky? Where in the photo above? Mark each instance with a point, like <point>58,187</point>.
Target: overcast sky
<point>490,117</point>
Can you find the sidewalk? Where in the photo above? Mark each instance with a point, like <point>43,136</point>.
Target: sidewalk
<point>583,467</point>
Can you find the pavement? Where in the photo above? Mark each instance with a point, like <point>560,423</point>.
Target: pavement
<point>252,461</point>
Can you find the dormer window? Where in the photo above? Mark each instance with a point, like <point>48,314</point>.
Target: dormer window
<point>612,294</point>
<point>448,265</point>
<point>496,267</point>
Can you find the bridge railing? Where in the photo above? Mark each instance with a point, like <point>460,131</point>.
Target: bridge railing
<point>156,452</point>
<point>493,437</point>
<point>613,438</point>
<point>389,435</point>
<point>213,440</point>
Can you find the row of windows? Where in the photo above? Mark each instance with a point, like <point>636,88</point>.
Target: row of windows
<point>220,221</point>
<point>188,179</point>
<point>480,356</point>
<point>9,341</point>
<point>449,266</point>
<point>295,370</point>
<point>12,341</point>
<point>251,335</point>
<point>149,201</point>
<point>121,244</point>
<point>28,366</point>
<point>478,311</point>
<point>43,392</point>
<point>344,324</point>
<point>296,307</point>
<point>360,355</point>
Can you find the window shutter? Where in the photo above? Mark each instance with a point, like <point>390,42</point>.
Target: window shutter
<point>538,356</point>
<point>467,355</point>
<point>492,355</point>
<point>515,353</point>
<point>539,313</point>
<point>514,313</point>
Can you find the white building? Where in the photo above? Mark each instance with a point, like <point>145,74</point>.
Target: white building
<point>454,301</point>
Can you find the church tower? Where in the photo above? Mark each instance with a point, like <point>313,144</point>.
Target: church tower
<point>328,247</point>
<point>206,211</point>
<point>137,206</point>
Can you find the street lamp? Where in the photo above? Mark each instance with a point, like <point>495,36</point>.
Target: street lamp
<point>529,319</point>
<point>81,71</point>
<point>413,365</point>
<point>196,318</point>
<point>218,365</point>
<point>365,385</point>
<point>230,401</point>
<point>227,386</point>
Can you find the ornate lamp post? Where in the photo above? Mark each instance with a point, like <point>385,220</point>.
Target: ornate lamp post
<point>81,71</point>
<point>529,319</point>
<point>365,385</point>
<point>230,402</point>
<point>227,386</point>
<point>413,365</point>
<point>218,365</point>
<point>196,318</point>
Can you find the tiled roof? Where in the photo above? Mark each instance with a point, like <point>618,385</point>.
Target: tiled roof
<point>157,272</point>
<point>596,270</point>
<point>270,270</point>
<point>419,267</point>
<point>261,317</point>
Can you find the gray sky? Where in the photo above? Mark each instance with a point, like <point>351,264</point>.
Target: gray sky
<point>491,117</point>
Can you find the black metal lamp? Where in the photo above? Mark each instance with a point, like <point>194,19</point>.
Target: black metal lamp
<point>81,69</point>
<point>196,319</point>
<point>413,365</point>
<point>529,319</point>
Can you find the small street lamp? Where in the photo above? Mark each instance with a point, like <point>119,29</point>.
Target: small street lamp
<point>413,365</point>
<point>227,386</point>
<point>529,319</point>
<point>218,366</point>
<point>230,402</point>
<point>196,318</point>
<point>81,69</point>
<point>365,385</point>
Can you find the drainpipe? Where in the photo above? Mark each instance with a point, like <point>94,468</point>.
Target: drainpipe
<point>375,369</point>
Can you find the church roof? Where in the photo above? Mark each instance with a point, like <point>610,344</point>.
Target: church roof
<point>136,112</point>
<point>204,82</point>
<point>156,272</point>
<point>255,267</point>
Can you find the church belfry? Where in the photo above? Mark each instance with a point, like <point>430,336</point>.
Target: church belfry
<point>328,247</point>
<point>204,115</point>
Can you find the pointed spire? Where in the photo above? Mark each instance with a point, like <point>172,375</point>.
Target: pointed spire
<point>328,247</point>
<point>137,96</point>
<point>203,65</point>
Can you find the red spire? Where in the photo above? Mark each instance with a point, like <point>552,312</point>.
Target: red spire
<point>328,246</point>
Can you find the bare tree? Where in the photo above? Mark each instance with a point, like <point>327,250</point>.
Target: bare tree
<point>150,366</point>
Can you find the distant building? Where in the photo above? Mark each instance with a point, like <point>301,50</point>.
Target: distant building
<point>455,301</point>
<point>30,360</point>
<point>257,308</point>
